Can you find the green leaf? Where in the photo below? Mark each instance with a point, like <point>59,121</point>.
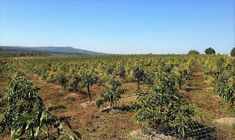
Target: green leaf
<point>52,108</point>
<point>77,134</point>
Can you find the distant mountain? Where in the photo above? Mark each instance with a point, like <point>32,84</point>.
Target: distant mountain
<point>48,50</point>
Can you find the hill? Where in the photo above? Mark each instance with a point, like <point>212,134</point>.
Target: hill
<point>51,50</point>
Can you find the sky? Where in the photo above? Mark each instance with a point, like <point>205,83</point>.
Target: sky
<point>120,26</point>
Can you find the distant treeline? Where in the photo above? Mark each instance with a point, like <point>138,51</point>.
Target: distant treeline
<point>14,52</point>
<point>21,54</point>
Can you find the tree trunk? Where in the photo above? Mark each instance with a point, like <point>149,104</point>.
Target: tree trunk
<point>89,94</point>
<point>111,105</point>
<point>180,86</point>
<point>138,83</point>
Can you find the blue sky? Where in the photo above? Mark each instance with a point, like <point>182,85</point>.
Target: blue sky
<point>120,26</point>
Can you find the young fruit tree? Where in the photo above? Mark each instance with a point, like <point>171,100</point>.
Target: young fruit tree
<point>225,87</point>
<point>26,117</point>
<point>164,109</point>
<point>180,75</point>
<point>74,80</point>
<point>149,78</point>
<point>110,70</point>
<point>88,78</point>
<point>62,79</point>
<point>111,94</point>
<point>121,72</point>
<point>138,75</point>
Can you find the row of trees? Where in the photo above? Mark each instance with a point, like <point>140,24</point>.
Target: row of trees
<point>209,51</point>
<point>163,108</point>
<point>160,108</point>
<point>79,75</point>
<point>25,115</point>
<point>112,93</point>
<point>220,71</point>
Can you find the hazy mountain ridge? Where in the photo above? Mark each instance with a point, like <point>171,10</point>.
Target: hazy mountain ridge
<point>52,50</point>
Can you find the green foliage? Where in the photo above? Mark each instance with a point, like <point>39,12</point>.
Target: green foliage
<point>220,71</point>
<point>88,78</point>
<point>210,51</point>
<point>112,93</point>
<point>55,69</point>
<point>158,107</point>
<point>149,78</point>
<point>140,69</point>
<point>232,53</point>
<point>74,81</point>
<point>138,75</point>
<point>110,69</point>
<point>25,115</point>
<point>121,72</point>
<point>225,87</point>
<point>195,52</point>
<point>1,94</point>
<point>3,64</point>
<point>181,75</point>
<point>168,67</point>
<point>164,108</point>
<point>61,78</point>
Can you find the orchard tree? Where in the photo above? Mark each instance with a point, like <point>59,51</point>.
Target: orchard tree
<point>233,52</point>
<point>3,64</point>
<point>110,69</point>
<point>225,87</point>
<point>164,109</point>
<point>111,94</point>
<point>88,78</point>
<point>121,72</point>
<point>74,82</point>
<point>62,79</point>
<point>25,115</point>
<point>138,75</point>
<point>149,78</point>
<point>180,75</point>
<point>209,51</point>
<point>167,67</point>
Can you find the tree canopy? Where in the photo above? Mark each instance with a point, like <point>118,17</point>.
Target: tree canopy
<point>210,51</point>
<point>193,52</point>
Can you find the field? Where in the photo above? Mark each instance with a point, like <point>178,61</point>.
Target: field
<point>117,96</point>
